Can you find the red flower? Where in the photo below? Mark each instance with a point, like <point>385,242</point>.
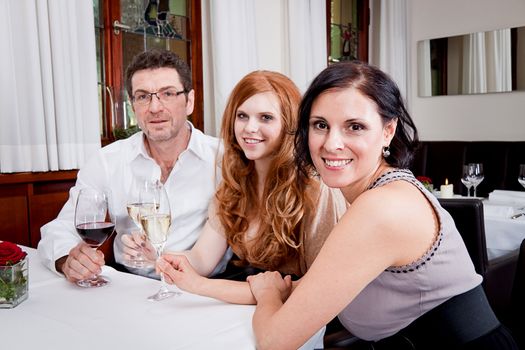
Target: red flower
<point>424,180</point>
<point>10,253</point>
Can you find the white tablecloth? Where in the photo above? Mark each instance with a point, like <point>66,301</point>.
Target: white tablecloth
<point>503,234</point>
<point>59,315</point>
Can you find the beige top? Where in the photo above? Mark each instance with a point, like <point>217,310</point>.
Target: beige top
<point>331,205</point>
<point>401,294</point>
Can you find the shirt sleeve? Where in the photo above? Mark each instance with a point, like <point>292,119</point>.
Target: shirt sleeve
<point>59,236</point>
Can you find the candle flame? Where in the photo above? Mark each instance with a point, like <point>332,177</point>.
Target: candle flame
<point>446,181</point>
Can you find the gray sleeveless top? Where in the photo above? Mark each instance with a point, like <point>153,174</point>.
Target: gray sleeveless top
<point>400,294</point>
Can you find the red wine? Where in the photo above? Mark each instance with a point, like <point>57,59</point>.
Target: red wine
<point>95,233</point>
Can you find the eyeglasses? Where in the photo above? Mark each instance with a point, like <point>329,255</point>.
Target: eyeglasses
<point>164,96</point>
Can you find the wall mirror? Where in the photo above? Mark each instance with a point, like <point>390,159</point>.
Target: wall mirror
<point>476,63</point>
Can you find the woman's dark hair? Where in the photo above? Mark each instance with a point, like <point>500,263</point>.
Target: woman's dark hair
<point>156,58</point>
<point>378,87</point>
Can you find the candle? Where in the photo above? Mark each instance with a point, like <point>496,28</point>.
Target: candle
<point>447,191</point>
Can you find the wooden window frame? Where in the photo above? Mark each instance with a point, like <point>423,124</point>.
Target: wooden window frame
<point>113,70</point>
<point>363,13</point>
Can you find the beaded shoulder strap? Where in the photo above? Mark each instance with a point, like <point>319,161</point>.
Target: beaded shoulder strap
<point>392,175</point>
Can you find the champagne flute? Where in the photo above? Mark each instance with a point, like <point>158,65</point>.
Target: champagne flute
<point>521,176</point>
<point>476,175</point>
<point>156,221</point>
<point>140,195</point>
<point>94,223</point>
<point>465,179</point>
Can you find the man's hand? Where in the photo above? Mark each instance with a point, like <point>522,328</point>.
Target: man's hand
<point>81,263</point>
<point>136,247</point>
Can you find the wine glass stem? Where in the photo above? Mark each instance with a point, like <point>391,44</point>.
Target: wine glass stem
<point>163,285</point>
<point>475,191</point>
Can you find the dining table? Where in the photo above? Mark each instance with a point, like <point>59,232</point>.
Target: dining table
<point>60,315</point>
<point>504,218</point>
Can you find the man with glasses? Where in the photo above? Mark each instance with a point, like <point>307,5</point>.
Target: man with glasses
<point>168,149</point>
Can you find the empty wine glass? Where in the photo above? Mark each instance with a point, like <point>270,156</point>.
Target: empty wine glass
<point>465,179</point>
<point>521,176</point>
<point>475,175</point>
<point>94,223</point>
<point>156,221</point>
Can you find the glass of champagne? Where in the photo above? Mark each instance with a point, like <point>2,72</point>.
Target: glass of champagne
<point>476,175</point>
<point>156,221</point>
<point>465,179</point>
<point>521,176</point>
<point>94,223</point>
<point>141,194</point>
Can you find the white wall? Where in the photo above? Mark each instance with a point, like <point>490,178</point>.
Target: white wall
<point>496,117</point>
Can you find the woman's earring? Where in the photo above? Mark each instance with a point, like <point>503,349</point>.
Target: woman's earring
<point>386,152</point>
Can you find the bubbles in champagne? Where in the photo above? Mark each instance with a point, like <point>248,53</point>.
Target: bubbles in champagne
<point>156,227</point>
<point>136,210</point>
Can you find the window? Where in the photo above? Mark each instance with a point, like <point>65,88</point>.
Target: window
<point>347,30</point>
<point>124,28</point>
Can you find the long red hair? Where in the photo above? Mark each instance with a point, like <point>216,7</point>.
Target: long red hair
<point>284,199</point>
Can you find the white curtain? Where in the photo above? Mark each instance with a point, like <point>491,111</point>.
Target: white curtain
<point>232,52</point>
<point>388,48</point>
<point>49,118</point>
<point>474,64</point>
<point>305,47</point>
<point>499,60</point>
<point>230,29</point>
<point>424,71</point>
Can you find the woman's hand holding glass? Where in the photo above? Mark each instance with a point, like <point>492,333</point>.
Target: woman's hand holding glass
<point>178,270</point>
<point>155,218</point>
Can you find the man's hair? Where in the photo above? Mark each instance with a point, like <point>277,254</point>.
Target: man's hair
<point>156,58</point>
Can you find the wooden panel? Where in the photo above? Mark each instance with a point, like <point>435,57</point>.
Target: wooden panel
<point>14,220</point>
<point>37,177</point>
<point>29,200</point>
<point>44,208</point>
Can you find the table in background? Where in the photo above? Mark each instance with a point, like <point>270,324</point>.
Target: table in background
<point>503,235</point>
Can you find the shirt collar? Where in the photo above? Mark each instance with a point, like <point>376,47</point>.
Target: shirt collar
<point>195,145</point>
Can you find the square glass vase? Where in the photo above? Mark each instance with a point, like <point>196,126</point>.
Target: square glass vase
<point>13,284</point>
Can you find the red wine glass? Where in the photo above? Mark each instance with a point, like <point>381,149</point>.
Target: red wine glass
<point>94,223</point>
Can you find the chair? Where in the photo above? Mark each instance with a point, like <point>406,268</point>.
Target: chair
<point>498,274</point>
<point>517,319</point>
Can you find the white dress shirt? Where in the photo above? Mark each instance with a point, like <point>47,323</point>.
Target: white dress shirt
<point>190,187</point>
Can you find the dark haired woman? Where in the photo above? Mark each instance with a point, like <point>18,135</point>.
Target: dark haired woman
<point>394,268</point>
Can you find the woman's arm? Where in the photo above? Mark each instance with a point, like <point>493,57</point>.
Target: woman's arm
<point>373,235</point>
<point>207,251</point>
<point>178,270</point>
<point>188,270</point>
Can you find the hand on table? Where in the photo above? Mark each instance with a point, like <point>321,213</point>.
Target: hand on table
<point>270,282</point>
<point>135,246</point>
<point>81,263</point>
<point>178,270</point>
